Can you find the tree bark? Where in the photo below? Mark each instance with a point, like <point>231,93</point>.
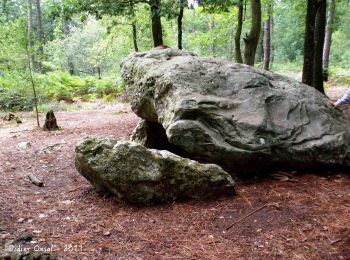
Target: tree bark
<point>133,26</point>
<point>238,52</point>
<point>272,49</point>
<point>156,23</point>
<point>4,9</point>
<point>33,88</point>
<point>311,11</point>
<point>328,39</point>
<point>267,41</point>
<point>66,29</point>
<point>99,72</point>
<point>179,23</point>
<point>40,35</point>
<point>30,33</point>
<point>50,122</point>
<point>259,55</point>
<point>134,36</point>
<point>252,39</point>
<point>65,24</point>
<point>320,28</point>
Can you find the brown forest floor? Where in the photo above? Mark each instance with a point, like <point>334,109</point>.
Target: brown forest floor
<point>311,220</point>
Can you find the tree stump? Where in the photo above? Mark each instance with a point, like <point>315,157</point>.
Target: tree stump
<point>50,122</point>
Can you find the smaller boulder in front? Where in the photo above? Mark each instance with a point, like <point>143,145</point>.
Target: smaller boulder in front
<point>146,176</point>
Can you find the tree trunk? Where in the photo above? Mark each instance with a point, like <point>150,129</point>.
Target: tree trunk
<point>267,41</point>
<point>179,23</point>
<point>320,28</point>
<point>272,46</point>
<point>71,68</point>
<point>30,33</point>
<point>156,23</point>
<point>309,42</point>
<point>133,25</point>
<point>4,9</point>
<point>328,39</point>
<point>50,122</point>
<point>259,55</point>
<point>66,29</point>
<point>99,72</point>
<point>238,53</point>
<point>33,88</point>
<point>40,35</point>
<point>65,25</point>
<point>252,39</point>
<point>134,36</point>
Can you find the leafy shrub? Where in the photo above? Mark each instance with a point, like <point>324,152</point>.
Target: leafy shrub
<point>16,91</point>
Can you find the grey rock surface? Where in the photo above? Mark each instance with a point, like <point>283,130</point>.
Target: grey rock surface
<point>145,176</point>
<point>243,119</point>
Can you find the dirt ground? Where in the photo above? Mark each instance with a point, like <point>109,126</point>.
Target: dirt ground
<point>305,216</point>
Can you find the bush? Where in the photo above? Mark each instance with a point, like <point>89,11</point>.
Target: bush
<point>16,91</point>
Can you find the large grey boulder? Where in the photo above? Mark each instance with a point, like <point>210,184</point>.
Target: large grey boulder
<point>243,119</point>
<point>145,176</point>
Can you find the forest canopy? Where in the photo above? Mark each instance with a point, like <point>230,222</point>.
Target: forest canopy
<point>75,47</point>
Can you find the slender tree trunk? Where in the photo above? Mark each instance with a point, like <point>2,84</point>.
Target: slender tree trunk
<point>133,25</point>
<point>156,23</point>
<point>238,53</point>
<point>320,28</point>
<point>252,39</point>
<point>71,68</point>
<point>4,9</point>
<point>30,33</point>
<point>33,87</point>
<point>272,49</point>
<point>99,72</point>
<point>328,39</point>
<point>245,9</point>
<point>65,25</point>
<point>40,35</point>
<point>179,23</point>
<point>66,29</point>
<point>259,56</point>
<point>309,42</point>
<point>267,41</point>
<point>134,36</point>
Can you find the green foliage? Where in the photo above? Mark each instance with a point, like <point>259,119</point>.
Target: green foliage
<point>340,52</point>
<point>62,86</point>
<point>15,91</point>
<point>90,38</point>
<point>13,45</point>
<point>288,31</point>
<point>292,66</point>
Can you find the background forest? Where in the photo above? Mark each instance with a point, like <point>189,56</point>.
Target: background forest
<point>72,49</point>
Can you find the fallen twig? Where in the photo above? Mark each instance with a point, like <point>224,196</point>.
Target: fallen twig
<point>336,241</point>
<point>18,131</point>
<point>35,180</point>
<point>251,213</point>
<point>49,147</point>
<point>77,188</point>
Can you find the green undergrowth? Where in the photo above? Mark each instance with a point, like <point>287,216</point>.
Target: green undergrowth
<point>54,87</point>
<point>339,77</point>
